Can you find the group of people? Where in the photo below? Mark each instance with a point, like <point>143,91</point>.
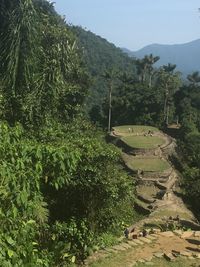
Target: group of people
<point>133,234</point>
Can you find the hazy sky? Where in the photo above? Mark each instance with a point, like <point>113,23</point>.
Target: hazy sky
<point>135,23</point>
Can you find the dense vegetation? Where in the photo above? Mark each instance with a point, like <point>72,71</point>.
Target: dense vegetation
<point>100,57</point>
<point>62,187</point>
<point>143,94</point>
<point>188,107</point>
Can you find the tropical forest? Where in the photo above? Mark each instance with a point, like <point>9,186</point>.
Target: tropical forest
<point>99,150</point>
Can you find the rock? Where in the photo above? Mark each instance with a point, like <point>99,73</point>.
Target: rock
<point>197,233</point>
<point>158,254</point>
<point>187,234</point>
<point>178,232</point>
<point>141,261</point>
<point>110,250</point>
<point>167,234</point>
<point>169,257</point>
<point>175,253</point>
<point>191,258</point>
<point>118,247</point>
<point>145,240</point>
<point>133,263</point>
<point>121,238</point>
<point>137,241</point>
<point>131,243</point>
<point>186,253</point>
<point>196,255</point>
<point>156,230</point>
<point>125,245</point>
<point>155,235</point>
<point>151,237</point>
<point>149,258</point>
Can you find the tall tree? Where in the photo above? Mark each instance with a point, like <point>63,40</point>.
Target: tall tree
<point>169,80</point>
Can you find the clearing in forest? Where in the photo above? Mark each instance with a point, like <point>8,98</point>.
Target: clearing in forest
<point>147,164</point>
<point>140,129</point>
<point>142,142</point>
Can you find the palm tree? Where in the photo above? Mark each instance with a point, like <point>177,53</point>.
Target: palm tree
<point>169,80</point>
<point>18,42</point>
<point>194,78</point>
<point>151,61</point>
<point>145,66</point>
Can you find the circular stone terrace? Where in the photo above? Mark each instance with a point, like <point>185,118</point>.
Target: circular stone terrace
<point>143,139</point>
<point>139,136</point>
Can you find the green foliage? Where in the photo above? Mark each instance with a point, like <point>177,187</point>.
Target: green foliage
<point>41,77</point>
<point>99,56</point>
<point>73,182</point>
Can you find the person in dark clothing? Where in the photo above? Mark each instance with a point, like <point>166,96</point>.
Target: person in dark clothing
<point>126,232</point>
<point>144,233</point>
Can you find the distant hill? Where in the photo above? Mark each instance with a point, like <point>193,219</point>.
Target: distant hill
<point>100,55</point>
<point>185,56</point>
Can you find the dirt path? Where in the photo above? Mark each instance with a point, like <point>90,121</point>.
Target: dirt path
<point>168,245</point>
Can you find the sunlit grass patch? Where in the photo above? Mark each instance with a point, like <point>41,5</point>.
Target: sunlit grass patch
<point>142,142</point>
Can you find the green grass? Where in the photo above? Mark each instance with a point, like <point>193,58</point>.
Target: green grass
<point>179,262</point>
<point>136,128</point>
<point>169,212</point>
<point>123,259</point>
<point>148,164</point>
<point>143,142</point>
<point>148,190</point>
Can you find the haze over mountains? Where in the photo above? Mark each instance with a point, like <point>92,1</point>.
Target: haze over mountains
<point>185,56</point>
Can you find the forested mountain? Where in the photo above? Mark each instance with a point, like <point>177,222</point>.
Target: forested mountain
<point>185,56</point>
<point>63,188</point>
<point>100,56</point>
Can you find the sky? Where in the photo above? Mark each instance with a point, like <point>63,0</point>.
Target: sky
<point>133,24</point>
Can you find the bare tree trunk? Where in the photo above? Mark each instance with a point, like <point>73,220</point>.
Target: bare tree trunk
<point>150,80</point>
<point>167,115</point>
<point>110,107</point>
<point>165,104</point>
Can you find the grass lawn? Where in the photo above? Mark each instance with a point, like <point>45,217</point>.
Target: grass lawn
<point>148,190</point>
<point>169,212</point>
<point>148,164</point>
<point>145,142</point>
<point>136,129</point>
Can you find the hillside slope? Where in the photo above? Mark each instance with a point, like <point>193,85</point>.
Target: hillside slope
<point>185,56</point>
<point>99,56</point>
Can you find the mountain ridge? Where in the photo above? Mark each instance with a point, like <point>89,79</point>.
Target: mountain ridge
<point>186,56</point>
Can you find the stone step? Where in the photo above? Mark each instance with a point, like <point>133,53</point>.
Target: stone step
<point>169,257</point>
<point>125,245</point>
<point>197,233</point>
<point>158,254</point>
<point>110,250</point>
<point>132,243</point>
<point>119,248</point>
<point>152,237</point>
<point>145,240</point>
<point>178,232</point>
<point>167,234</point>
<point>196,255</point>
<point>139,242</point>
<point>186,253</point>
<point>187,234</point>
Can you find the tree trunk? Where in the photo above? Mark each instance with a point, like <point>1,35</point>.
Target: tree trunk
<point>167,116</point>
<point>110,108</point>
